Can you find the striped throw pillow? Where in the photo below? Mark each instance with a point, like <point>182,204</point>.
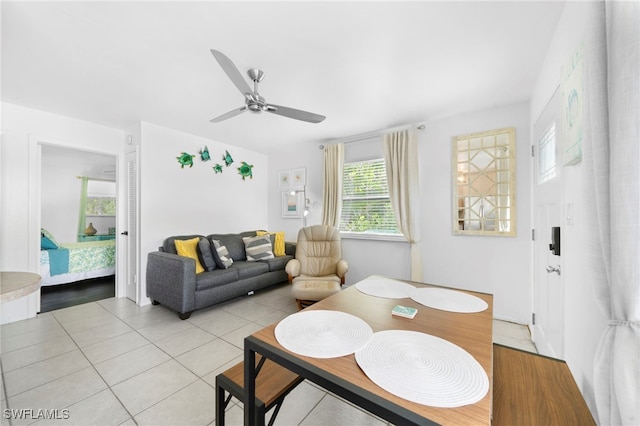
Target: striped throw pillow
<point>222,255</point>
<point>258,248</point>
<point>278,242</point>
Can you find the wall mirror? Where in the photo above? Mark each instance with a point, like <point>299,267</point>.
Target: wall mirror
<point>484,170</point>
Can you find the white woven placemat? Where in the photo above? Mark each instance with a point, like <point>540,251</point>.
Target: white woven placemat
<point>448,300</point>
<point>323,334</point>
<point>424,369</point>
<point>388,288</point>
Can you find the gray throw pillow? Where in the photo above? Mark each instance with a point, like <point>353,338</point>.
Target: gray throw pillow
<point>205,255</point>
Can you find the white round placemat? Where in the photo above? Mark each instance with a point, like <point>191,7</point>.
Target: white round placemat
<point>448,300</point>
<point>323,334</point>
<point>384,287</point>
<point>424,369</point>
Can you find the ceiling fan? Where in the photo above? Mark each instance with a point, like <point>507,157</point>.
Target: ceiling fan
<point>254,102</point>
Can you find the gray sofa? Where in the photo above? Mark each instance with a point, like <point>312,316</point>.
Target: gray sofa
<point>172,280</point>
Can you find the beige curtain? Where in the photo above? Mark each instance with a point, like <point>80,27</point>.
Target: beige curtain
<point>332,189</point>
<point>401,158</point>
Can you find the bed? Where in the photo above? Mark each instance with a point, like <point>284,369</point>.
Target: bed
<point>71,262</point>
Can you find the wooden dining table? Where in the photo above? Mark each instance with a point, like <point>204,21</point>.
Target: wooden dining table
<point>343,377</point>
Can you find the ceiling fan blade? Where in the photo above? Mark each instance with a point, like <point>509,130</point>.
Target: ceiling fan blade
<point>295,113</point>
<point>232,72</point>
<point>229,114</point>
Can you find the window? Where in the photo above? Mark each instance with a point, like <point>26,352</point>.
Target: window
<point>101,198</point>
<point>547,155</point>
<point>366,207</point>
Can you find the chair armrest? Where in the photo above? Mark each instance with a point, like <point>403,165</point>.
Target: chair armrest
<point>293,268</point>
<point>341,269</point>
<point>171,280</point>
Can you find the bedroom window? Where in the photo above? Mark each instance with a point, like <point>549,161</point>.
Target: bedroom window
<point>366,207</point>
<point>101,198</point>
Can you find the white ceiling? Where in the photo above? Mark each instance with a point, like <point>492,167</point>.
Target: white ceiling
<point>365,65</point>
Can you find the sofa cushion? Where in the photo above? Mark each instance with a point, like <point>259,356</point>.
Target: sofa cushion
<point>258,248</point>
<point>250,269</point>
<point>189,248</point>
<point>168,245</point>
<point>216,278</point>
<point>233,243</point>
<point>221,255</point>
<point>277,263</point>
<point>206,256</point>
<point>277,240</point>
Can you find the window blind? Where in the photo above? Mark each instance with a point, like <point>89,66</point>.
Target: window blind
<point>365,199</point>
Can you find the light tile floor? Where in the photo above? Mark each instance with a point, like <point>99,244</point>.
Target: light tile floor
<point>112,362</point>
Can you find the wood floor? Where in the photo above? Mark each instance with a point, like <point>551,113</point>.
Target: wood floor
<point>63,296</point>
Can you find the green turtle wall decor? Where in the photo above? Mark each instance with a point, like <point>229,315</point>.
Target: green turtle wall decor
<point>245,170</point>
<point>227,158</point>
<point>204,154</point>
<point>217,168</point>
<point>185,159</point>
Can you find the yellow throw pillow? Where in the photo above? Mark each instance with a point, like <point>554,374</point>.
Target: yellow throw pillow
<point>189,248</point>
<point>278,244</point>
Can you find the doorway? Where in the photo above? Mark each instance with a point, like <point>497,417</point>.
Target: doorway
<point>549,292</point>
<point>61,170</point>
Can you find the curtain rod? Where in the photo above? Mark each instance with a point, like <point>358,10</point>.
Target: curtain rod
<point>90,178</point>
<point>372,134</point>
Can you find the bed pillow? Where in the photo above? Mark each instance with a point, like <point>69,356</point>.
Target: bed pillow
<point>206,256</point>
<point>50,236</point>
<point>277,241</point>
<point>258,248</point>
<point>221,255</point>
<point>189,248</point>
<point>47,244</point>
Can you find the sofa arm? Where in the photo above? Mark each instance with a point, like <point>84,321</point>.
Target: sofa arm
<point>341,269</point>
<point>171,280</point>
<point>293,268</point>
<point>289,248</point>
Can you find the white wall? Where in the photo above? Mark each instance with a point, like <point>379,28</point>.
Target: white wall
<point>365,257</point>
<point>584,319</point>
<point>306,155</point>
<point>22,130</point>
<point>172,200</point>
<point>60,194</point>
<point>183,201</point>
<point>498,265</point>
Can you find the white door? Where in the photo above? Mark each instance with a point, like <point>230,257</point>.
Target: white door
<point>130,231</point>
<point>549,289</point>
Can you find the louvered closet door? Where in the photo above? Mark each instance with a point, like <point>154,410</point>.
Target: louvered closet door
<point>131,227</point>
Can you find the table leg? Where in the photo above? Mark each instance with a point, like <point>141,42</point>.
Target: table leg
<point>220,404</point>
<point>250,414</point>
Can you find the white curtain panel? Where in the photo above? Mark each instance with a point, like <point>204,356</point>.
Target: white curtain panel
<point>401,158</point>
<point>332,186</point>
<point>612,152</point>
